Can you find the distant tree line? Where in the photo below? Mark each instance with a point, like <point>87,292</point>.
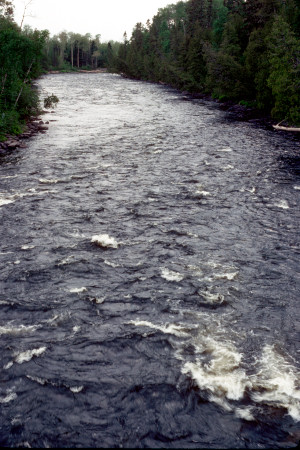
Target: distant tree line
<point>244,51</point>
<point>237,50</point>
<point>71,51</point>
<point>26,53</point>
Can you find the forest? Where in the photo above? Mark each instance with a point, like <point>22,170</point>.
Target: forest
<point>72,51</point>
<point>244,51</point>
<point>21,55</point>
<point>25,54</point>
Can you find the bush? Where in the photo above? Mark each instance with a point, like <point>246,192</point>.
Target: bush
<point>51,101</point>
<point>9,124</point>
<point>29,103</point>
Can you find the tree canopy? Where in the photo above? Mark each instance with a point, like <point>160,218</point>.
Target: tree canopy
<point>21,53</point>
<point>26,53</point>
<point>235,50</point>
<point>244,51</point>
<point>70,51</point>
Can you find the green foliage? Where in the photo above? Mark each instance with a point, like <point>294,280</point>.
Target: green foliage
<point>9,123</point>
<point>28,103</point>
<point>226,77</point>
<point>291,14</point>
<point>258,69</point>
<point>51,101</point>
<point>20,56</point>
<point>284,78</point>
<point>245,51</point>
<point>248,104</point>
<point>70,51</point>
<point>220,13</point>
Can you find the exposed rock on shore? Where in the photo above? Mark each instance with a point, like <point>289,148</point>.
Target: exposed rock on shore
<point>34,126</point>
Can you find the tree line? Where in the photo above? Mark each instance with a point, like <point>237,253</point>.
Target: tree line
<point>71,51</point>
<point>236,50</point>
<point>243,51</point>
<point>21,55</point>
<point>25,54</point>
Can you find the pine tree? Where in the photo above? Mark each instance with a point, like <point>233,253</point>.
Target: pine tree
<point>284,78</point>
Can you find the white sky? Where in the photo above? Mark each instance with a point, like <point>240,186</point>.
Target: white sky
<point>109,18</point>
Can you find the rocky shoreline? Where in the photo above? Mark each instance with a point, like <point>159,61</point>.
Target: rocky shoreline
<point>34,126</point>
<point>234,111</point>
<point>240,113</point>
<point>55,72</point>
<point>237,112</point>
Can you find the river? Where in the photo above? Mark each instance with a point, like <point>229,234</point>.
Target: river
<point>149,275</point>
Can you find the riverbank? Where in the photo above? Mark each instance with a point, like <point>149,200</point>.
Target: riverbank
<point>34,126</point>
<point>255,116</point>
<point>104,70</point>
<point>235,111</point>
<point>242,113</point>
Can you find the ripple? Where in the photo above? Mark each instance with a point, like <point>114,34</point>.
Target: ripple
<point>151,267</point>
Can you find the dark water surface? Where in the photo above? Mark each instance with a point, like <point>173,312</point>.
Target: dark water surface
<point>149,275</point>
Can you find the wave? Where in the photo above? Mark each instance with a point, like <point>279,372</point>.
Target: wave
<point>105,241</point>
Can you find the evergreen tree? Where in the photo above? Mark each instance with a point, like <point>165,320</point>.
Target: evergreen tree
<point>284,78</point>
<point>228,48</point>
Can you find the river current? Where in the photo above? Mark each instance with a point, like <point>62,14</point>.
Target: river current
<point>149,278</point>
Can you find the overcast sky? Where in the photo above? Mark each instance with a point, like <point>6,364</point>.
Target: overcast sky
<point>109,18</point>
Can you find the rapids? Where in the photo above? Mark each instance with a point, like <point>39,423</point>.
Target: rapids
<point>149,284</point>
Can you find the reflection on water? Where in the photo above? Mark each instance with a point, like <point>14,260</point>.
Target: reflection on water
<point>149,276</point>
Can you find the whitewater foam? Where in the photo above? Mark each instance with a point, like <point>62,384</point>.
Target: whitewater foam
<point>201,192</point>
<point>6,201</point>
<point>111,264</point>
<point>105,241</point>
<point>222,376</point>
<point>225,149</point>
<point>96,300</point>
<point>44,382</point>
<point>5,302</point>
<point>67,260</point>
<point>170,275</point>
<point>282,204</point>
<point>218,368</point>
<point>48,181</point>
<point>212,298</point>
<point>10,396</point>
<point>177,330</point>
<point>244,413</point>
<point>78,290</point>
<point>14,330</point>
<point>27,247</point>
<point>230,276</point>
<point>276,382</point>
<point>76,389</point>
<point>26,356</point>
